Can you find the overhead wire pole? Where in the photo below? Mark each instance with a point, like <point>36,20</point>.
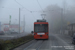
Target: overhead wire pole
<point>62,20</point>
<point>24,23</point>
<point>63,15</point>
<point>24,7</point>
<point>21,5</point>
<point>19,20</point>
<point>29,10</point>
<point>19,13</point>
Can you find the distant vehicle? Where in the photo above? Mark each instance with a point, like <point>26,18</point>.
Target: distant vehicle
<point>71,29</point>
<point>13,32</point>
<point>1,33</point>
<point>73,39</point>
<point>41,29</point>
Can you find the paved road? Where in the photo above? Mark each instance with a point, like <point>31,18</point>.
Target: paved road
<point>55,42</point>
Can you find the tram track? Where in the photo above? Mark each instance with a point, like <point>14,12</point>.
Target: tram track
<point>39,44</point>
<point>31,44</point>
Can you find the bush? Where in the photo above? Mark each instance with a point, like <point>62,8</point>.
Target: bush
<point>8,44</point>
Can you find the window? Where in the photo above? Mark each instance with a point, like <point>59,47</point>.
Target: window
<point>41,28</point>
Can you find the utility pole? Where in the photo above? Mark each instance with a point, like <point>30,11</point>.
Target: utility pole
<point>63,14</point>
<point>24,23</point>
<point>9,22</point>
<point>62,20</point>
<point>19,20</point>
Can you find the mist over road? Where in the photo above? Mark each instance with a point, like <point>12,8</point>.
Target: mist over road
<point>55,42</point>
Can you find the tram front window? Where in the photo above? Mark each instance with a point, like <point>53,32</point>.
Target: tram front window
<point>41,28</point>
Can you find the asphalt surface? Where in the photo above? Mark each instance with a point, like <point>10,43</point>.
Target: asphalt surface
<point>55,42</point>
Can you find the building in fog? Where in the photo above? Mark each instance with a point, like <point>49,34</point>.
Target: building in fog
<point>71,29</point>
<point>6,28</point>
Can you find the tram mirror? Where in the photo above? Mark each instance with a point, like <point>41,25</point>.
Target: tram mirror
<point>32,32</point>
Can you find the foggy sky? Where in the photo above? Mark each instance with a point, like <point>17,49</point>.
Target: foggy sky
<point>11,7</point>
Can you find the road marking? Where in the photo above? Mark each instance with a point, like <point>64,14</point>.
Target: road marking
<point>67,46</point>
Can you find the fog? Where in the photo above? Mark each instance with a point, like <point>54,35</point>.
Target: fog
<point>31,9</point>
<point>59,17</point>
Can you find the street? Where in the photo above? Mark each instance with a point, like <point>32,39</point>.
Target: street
<point>55,42</point>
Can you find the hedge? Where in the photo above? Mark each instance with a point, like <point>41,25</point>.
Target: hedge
<point>10,44</point>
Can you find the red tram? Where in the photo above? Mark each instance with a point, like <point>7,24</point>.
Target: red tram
<point>41,29</point>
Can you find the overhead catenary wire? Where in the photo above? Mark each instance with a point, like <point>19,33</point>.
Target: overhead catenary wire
<point>22,5</point>
<point>26,9</point>
<point>30,10</point>
<point>39,5</point>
